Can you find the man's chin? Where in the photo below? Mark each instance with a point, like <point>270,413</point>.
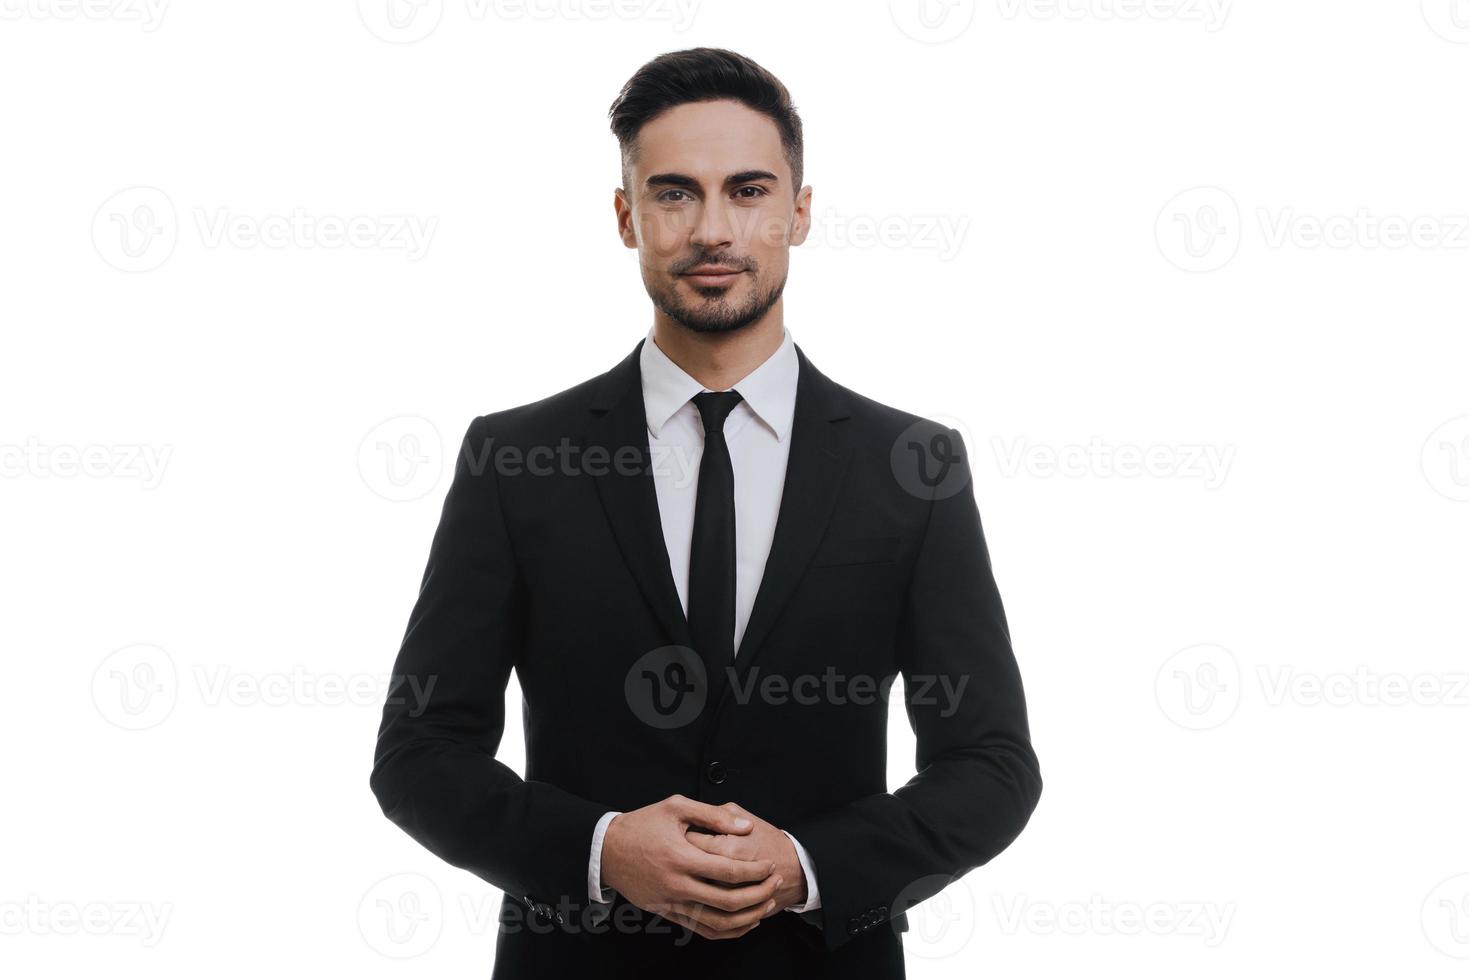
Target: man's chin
<point>707,326</point>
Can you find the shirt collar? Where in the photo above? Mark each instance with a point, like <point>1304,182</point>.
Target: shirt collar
<point>769,390</point>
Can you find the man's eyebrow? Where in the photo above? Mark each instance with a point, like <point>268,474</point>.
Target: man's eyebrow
<point>684,180</point>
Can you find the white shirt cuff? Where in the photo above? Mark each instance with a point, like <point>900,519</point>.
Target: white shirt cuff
<point>813,895</point>
<point>595,891</point>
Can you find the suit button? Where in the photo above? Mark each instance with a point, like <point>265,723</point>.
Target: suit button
<point>854,925</point>
<point>715,772</point>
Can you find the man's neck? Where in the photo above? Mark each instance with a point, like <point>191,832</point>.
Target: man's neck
<point>719,360</point>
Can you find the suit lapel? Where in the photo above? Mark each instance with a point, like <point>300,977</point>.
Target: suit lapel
<point>624,479</point>
<point>820,449</point>
<point>819,452</point>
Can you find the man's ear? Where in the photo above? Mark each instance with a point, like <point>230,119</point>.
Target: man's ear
<point>801,216</point>
<point>623,207</point>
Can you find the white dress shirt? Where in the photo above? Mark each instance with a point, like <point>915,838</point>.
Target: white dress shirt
<point>758,432</point>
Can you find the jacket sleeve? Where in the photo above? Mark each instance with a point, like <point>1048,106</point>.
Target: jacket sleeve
<point>434,772</point>
<point>977,780</point>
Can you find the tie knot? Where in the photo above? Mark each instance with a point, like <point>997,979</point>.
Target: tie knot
<point>714,407</point>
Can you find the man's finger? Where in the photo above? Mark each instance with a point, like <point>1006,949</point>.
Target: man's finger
<point>714,867</point>
<point>716,818</point>
<point>711,923</point>
<point>750,898</point>
<point>721,845</point>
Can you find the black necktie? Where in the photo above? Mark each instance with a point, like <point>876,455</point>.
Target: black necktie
<point>712,552</point>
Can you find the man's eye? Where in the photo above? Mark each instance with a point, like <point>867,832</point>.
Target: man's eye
<point>665,195</point>
<point>759,191</point>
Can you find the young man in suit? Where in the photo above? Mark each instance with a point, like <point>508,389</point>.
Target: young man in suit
<point>707,566</point>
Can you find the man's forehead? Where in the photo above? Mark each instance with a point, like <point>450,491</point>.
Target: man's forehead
<point>708,141</point>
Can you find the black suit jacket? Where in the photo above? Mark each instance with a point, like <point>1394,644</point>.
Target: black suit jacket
<point>549,559</point>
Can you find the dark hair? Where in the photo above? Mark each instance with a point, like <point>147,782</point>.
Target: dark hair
<point>703,75</point>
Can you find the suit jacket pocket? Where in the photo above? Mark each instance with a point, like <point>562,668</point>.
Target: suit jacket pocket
<point>857,551</point>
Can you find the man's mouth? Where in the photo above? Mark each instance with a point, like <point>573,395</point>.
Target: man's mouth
<point>712,275</point>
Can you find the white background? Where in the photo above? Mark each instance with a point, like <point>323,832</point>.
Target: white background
<point>1219,435</point>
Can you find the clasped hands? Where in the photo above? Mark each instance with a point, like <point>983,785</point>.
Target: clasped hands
<point>717,870</point>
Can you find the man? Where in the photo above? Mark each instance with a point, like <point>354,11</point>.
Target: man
<point>706,567</point>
